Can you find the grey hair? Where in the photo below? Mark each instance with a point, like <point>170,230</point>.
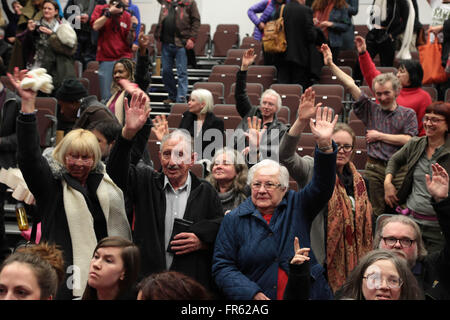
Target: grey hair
<point>421,250</point>
<point>272,93</point>
<point>385,77</point>
<point>183,133</point>
<point>204,96</point>
<point>268,163</point>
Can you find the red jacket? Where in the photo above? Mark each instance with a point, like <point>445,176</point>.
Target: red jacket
<point>113,43</point>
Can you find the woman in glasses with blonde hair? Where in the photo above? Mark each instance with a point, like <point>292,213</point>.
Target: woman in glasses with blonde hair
<point>77,203</point>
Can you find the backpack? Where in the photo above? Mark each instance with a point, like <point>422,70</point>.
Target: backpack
<point>274,37</point>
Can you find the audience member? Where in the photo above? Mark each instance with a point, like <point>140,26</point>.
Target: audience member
<point>167,202</point>
<point>228,175</point>
<point>381,275</point>
<point>78,203</point>
<point>113,270</point>
<point>13,19</point>
<point>294,65</point>
<point>171,285</point>
<point>177,29</point>
<point>115,37</point>
<point>106,132</point>
<point>5,53</point>
<point>388,19</point>
<point>267,9</point>
<point>412,198</point>
<point>349,208</point>
<point>134,11</point>
<point>136,74</point>
<point>333,18</point>
<point>199,120</point>
<point>389,126</point>
<point>402,235</point>
<point>410,75</point>
<point>252,251</point>
<point>9,110</point>
<point>32,273</point>
<point>69,96</point>
<point>78,12</point>
<point>35,39</point>
<point>266,111</point>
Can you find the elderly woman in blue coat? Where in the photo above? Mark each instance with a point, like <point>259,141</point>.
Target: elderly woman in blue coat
<point>254,244</point>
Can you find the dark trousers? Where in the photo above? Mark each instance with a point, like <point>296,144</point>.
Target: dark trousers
<point>386,50</point>
<point>289,72</point>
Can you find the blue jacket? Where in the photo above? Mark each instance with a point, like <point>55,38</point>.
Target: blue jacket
<point>248,251</point>
<point>134,11</point>
<point>341,23</point>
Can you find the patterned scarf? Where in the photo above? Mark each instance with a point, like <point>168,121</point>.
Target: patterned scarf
<point>349,233</point>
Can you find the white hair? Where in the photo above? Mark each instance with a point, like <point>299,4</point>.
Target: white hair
<point>204,96</point>
<point>268,163</point>
<point>272,93</point>
<point>184,134</point>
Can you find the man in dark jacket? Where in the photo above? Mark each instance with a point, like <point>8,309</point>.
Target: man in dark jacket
<point>177,216</point>
<point>9,110</point>
<point>401,234</point>
<point>294,64</point>
<point>177,29</point>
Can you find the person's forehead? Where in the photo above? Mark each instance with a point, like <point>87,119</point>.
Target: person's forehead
<point>383,266</point>
<point>177,143</point>
<point>398,229</point>
<point>269,97</point>
<point>387,86</point>
<point>267,174</point>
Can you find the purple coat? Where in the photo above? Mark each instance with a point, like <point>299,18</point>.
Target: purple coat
<point>267,7</point>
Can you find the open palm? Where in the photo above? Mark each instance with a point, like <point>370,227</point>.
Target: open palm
<point>322,128</point>
<point>136,112</point>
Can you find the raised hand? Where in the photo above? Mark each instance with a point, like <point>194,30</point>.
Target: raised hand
<point>248,58</point>
<point>144,41</point>
<point>136,115</point>
<point>322,128</point>
<point>160,127</point>
<point>360,44</point>
<point>306,108</point>
<point>301,254</point>
<point>28,96</point>
<point>327,56</point>
<point>437,185</point>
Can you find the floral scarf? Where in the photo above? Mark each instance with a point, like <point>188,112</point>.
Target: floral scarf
<point>349,232</point>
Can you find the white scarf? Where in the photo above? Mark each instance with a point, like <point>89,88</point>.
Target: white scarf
<point>379,10</point>
<point>81,225</point>
<point>404,52</point>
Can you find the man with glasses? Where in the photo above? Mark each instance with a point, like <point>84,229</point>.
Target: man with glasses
<point>254,244</point>
<point>400,234</point>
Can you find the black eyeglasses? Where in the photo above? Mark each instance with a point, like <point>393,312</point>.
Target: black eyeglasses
<point>345,147</point>
<point>405,243</point>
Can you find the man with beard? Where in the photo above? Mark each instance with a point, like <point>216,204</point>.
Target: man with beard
<point>389,127</point>
<point>402,235</point>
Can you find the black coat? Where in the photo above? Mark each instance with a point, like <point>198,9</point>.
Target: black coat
<point>45,185</point>
<point>300,33</point>
<point>211,122</point>
<point>144,187</point>
<point>8,138</point>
